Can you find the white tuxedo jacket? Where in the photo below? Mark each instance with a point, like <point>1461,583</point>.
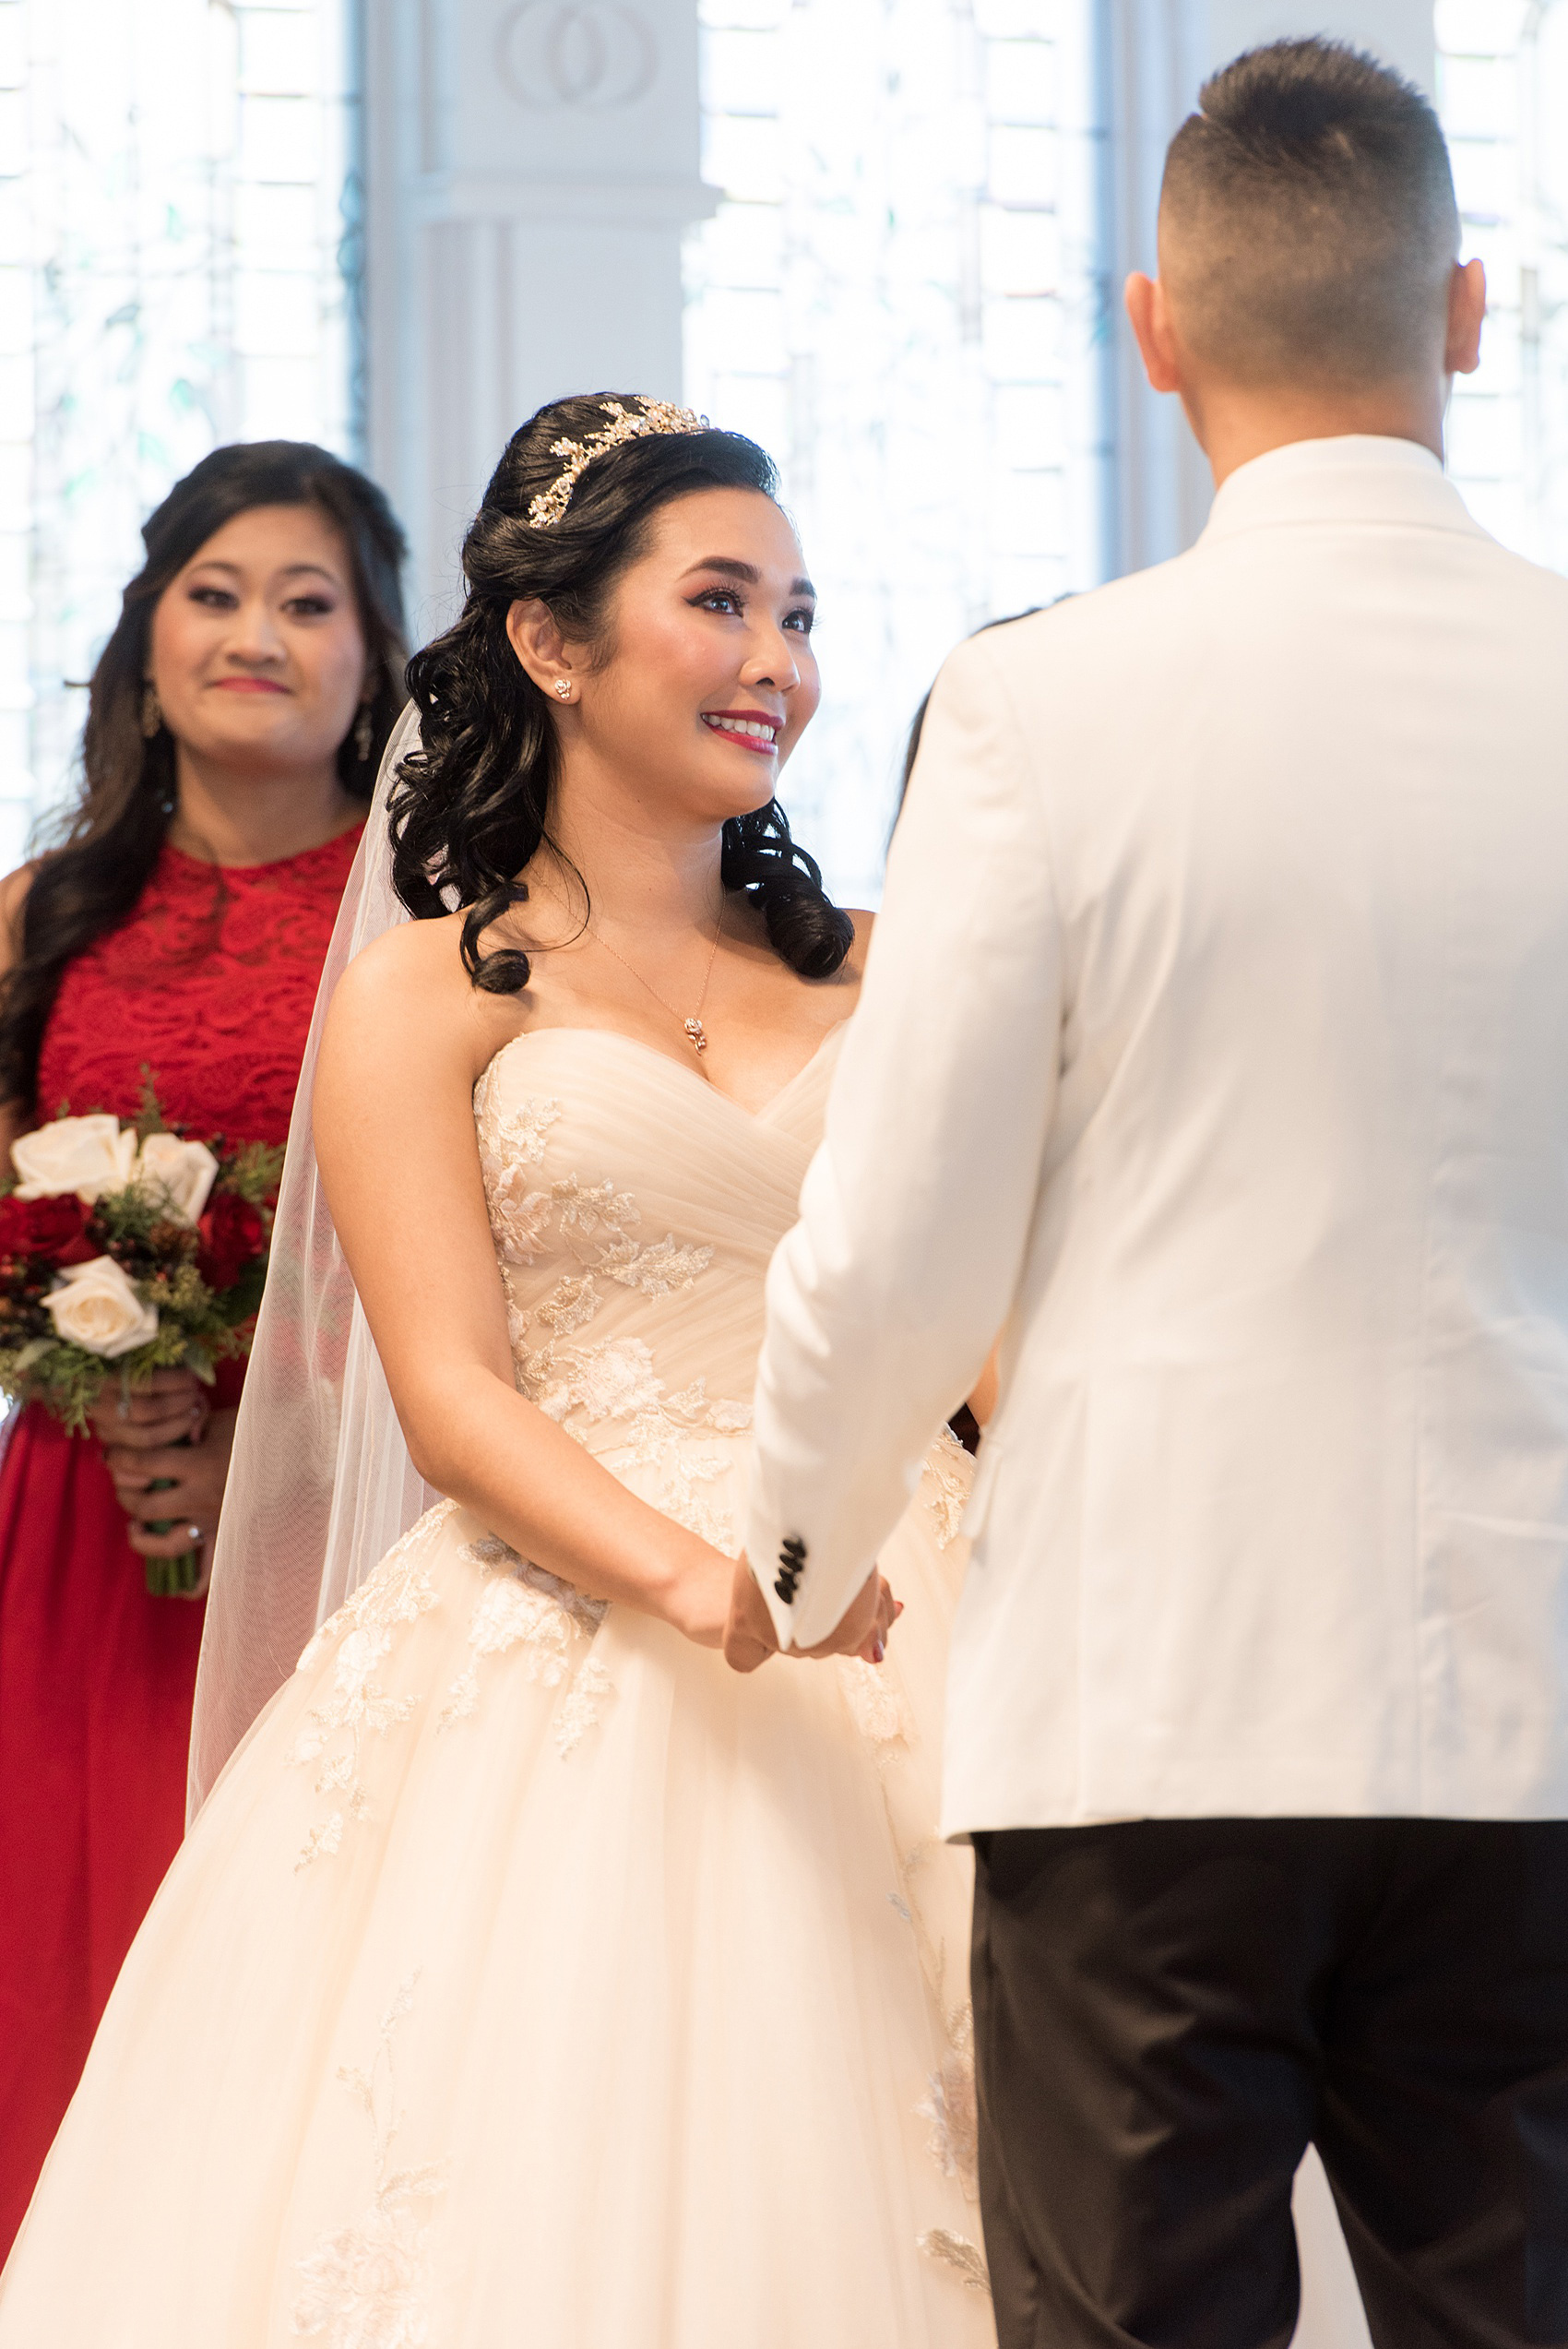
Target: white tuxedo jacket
<point>1213,1046</point>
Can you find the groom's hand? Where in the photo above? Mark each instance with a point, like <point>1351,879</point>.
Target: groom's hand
<point>862,1630</point>
<point>749,1636</point>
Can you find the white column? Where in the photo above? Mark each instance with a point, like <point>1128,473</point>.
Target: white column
<point>530,166</point>
<point>1156,55</point>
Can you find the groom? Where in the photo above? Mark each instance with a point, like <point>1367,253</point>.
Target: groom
<point>1215,1049</point>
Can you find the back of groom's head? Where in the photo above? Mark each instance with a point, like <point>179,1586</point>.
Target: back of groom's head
<point>1307,226</point>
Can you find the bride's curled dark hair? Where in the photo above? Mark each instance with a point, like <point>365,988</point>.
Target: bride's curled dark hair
<point>472,805</point>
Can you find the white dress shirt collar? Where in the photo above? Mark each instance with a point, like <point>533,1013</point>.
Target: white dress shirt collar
<point>1358,477</point>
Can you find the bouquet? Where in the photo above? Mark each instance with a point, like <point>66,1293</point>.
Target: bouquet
<point>126,1250</point>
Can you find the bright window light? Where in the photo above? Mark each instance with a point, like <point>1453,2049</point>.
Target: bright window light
<point>903,297</point>
<point>179,266</point>
<point>1503,92</point>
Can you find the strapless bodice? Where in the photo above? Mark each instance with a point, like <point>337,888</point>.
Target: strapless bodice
<point>635,1210</point>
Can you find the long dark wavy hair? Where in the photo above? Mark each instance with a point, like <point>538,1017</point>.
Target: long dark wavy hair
<point>89,882</point>
<point>472,805</point>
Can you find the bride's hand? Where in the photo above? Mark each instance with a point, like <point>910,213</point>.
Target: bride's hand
<point>749,1636</point>
<point>697,1601</point>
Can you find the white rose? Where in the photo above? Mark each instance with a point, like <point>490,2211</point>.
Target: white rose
<point>88,1155</point>
<point>95,1305</point>
<point>187,1170</point>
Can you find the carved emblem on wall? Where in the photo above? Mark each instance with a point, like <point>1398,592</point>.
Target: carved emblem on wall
<point>590,56</point>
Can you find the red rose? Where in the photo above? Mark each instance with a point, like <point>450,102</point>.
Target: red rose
<point>231,1235</point>
<point>53,1229</point>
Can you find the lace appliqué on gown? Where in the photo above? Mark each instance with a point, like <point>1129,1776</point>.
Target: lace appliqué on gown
<point>666,1436</point>
<point>944,1486</point>
<point>586,1388</point>
<point>365,2283</point>
<point>877,1705</point>
<point>951,2106</point>
<point>522,1605</point>
<point>955,2251</point>
<point>874,1700</point>
<point>399,1592</point>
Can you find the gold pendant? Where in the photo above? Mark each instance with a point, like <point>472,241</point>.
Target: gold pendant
<point>694,1028</point>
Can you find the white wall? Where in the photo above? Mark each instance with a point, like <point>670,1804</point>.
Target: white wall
<point>530,167</point>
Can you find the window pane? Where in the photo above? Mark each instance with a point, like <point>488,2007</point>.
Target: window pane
<point>899,296</point>
<point>1502,92</point>
<point>171,234</point>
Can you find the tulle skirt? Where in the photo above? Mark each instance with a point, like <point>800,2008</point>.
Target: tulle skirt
<point>532,1978</point>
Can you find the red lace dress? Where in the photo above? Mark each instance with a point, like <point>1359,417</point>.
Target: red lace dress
<point>209,986</point>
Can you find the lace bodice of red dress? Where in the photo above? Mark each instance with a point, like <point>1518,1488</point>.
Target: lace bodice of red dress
<point>208,986</point>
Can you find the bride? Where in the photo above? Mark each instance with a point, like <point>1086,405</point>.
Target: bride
<point>530,1976</point>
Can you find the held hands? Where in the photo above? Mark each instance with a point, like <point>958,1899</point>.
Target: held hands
<point>750,1638</point>
<point>164,1432</point>
<point>714,1601</point>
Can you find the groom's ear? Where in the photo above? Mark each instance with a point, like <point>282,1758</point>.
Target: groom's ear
<point>1148,314</point>
<point>1467,314</point>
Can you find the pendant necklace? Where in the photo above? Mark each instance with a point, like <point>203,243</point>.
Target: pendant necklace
<point>696,1035</point>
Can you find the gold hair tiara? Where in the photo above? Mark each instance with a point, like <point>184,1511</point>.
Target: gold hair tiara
<point>656,416</point>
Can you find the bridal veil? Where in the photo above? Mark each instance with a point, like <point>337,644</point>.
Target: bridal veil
<point>321,1483</point>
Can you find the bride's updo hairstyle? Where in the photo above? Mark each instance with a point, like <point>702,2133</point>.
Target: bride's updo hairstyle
<point>472,805</point>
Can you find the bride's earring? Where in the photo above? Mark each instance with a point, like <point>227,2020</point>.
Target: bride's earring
<point>564,688</point>
<point>151,711</point>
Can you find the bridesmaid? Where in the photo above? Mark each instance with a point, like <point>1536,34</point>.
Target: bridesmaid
<point>235,723</point>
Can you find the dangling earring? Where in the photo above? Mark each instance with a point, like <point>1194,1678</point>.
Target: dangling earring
<point>151,711</point>
<point>364,730</point>
<point>564,688</point>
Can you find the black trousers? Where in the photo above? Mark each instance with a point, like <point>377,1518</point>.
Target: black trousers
<point>1167,2012</point>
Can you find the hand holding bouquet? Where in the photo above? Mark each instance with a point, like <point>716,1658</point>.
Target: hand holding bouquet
<point>127,1249</point>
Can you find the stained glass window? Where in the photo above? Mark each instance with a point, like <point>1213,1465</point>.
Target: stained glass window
<point>1502,92</point>
<point>902,295</point>
<point>178,268</point>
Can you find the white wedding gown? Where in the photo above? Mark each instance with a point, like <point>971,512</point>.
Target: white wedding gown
<point>530,1978</point>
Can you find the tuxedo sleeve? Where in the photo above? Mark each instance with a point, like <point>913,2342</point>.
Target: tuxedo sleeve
<point>885,1297</point>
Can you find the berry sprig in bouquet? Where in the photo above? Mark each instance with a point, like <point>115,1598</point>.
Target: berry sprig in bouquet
<point>127,1249</point>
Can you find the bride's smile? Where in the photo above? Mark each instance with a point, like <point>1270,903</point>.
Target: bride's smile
<point>748,727</point>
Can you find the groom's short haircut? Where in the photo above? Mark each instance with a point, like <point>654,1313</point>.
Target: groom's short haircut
<point>1307,224</point>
